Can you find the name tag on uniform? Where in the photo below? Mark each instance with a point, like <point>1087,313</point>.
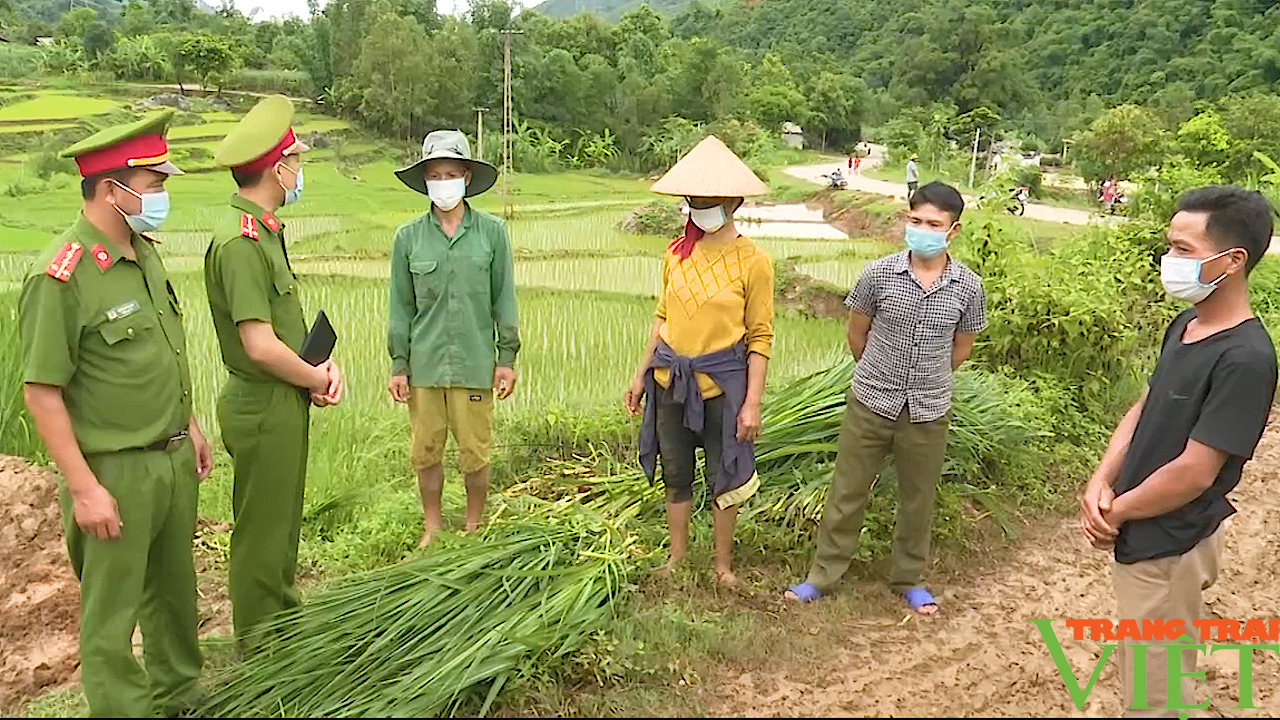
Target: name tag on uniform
<point>124,310</point>
<point>476,398</point>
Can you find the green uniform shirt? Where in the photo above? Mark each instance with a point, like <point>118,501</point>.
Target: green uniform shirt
<point>111,337</point>
<point>251,279</point>
<point>453,302</point>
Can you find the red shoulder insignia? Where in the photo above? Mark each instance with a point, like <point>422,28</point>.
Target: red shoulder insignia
<point>65,261</point>
<point>101,257</point>
<point>248,228</point>
<point>271,222</point>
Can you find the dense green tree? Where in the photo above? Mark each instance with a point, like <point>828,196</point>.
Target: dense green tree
<point>1124,140</point>
<point>207,58</point>
<point>138,19</point>
<point>75,24</point>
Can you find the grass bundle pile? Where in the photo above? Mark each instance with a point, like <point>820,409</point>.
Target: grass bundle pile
<point>444,633</point>
<point>995,424</point>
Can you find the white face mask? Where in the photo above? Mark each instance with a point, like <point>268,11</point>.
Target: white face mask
<point>446,194</point>
<point>708,219</point>
<point>1181,277</point>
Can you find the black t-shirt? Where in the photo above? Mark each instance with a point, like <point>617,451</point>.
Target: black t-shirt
<point>1217,391</point>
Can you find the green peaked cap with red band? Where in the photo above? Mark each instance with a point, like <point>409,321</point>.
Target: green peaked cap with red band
<point>138,144</point>
<point>261,138</point>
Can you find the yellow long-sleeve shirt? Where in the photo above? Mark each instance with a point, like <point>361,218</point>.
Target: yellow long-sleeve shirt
<point>720,294</point>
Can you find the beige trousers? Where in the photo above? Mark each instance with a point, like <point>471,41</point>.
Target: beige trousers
<point>1167,588</point>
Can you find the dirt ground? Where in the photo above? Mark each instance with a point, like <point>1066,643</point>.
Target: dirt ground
<point>39,596</point>
<point>978,658</point>
<point>981,657</point>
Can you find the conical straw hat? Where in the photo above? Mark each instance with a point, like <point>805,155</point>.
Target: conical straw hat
<point>710,170</point>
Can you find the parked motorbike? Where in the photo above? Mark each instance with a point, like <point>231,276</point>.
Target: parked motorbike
<point>836,180</point>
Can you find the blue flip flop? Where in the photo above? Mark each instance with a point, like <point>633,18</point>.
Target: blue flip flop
<point>806,592</point>
<point>918,597</point>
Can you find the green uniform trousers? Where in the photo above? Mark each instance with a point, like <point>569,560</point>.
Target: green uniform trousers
<point>866,439</point>
<point>264,428</point>
<point>146,578</point>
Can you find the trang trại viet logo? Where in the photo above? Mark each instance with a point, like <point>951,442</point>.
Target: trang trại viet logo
<point>1207,636</point>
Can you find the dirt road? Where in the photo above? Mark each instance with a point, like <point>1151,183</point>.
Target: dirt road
<point>982,658</point>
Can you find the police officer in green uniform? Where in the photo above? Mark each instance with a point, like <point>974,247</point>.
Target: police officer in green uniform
<point>263,409</point>
<point>106,379</point>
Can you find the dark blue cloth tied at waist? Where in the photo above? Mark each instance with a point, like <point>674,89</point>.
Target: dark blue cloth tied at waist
<point>728,369</point>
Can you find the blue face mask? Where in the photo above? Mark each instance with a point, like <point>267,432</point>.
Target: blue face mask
<point>291,195</point>
<point>155,208</point>
<point>925,243</point>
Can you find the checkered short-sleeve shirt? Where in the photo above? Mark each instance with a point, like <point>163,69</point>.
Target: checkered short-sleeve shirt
<point>907,360</point>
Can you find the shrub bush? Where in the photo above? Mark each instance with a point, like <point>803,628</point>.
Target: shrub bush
<point>655,218</point>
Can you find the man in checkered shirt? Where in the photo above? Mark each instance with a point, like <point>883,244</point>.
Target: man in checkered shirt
<point>913,318</point>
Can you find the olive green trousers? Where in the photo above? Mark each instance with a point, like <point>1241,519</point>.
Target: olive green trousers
<point>144,578</point>
<point>866,440</point>
<point>264,428</point>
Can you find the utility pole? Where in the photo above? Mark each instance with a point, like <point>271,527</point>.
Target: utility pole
<point>480,131</point>
<point>974,160</point>
<point>508,122</point>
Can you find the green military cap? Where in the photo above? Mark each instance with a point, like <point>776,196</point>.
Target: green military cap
<point>138,144</point>
<point>261,138</point>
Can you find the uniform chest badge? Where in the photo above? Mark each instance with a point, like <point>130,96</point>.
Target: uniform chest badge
<point>123,310</point>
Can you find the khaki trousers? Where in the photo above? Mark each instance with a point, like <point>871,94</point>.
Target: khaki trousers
<point>866,441</point>
<point>1169,588</point>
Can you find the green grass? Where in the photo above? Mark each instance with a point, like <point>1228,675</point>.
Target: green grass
<point>34,127</point>
<point>57,106</point>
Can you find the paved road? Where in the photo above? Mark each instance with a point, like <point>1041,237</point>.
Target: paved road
<point>898,191</point>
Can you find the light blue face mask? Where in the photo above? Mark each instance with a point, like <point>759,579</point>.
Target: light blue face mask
<point>155,208</point>
<point>925,243</point>
<point>291,195</point>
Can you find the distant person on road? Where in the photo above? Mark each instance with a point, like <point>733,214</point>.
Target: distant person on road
<point>851,162</point>
<point>452,331</point>
<point>913,318</point>
<point>1158,497</point>
<point>913,176</point>
<point>702,373</point>
<point>857,164</point>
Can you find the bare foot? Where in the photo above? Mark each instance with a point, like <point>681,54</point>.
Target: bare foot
<point>471,527</point>
<point>669,569</point>
<point>726,578</point>
<point>426,538</point>
<point>929,609</point>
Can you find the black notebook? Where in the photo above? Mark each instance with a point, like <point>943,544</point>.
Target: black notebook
<point>319,342</point>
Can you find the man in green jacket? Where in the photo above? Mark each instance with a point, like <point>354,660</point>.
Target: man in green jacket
<point>452,332</point>
<point>256,303</point>
<point>106,379</point>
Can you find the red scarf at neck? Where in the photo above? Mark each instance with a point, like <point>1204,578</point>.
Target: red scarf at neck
<point>683,245</point>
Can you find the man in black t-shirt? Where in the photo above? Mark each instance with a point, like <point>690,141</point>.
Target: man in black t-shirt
<point>1159,494</point>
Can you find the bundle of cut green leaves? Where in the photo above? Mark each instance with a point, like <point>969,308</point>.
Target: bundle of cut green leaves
<point>441,634</point>
<point>994,423</point>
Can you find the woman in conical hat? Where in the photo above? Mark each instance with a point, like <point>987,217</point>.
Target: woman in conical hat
<point>702,374</point>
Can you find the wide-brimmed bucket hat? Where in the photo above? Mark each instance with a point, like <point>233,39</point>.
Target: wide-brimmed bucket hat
<point>449,145</point>
<point>710,169</point>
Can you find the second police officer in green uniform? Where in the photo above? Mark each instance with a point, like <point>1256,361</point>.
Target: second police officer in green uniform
<point>254,297</point>
<point>106,379</point>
